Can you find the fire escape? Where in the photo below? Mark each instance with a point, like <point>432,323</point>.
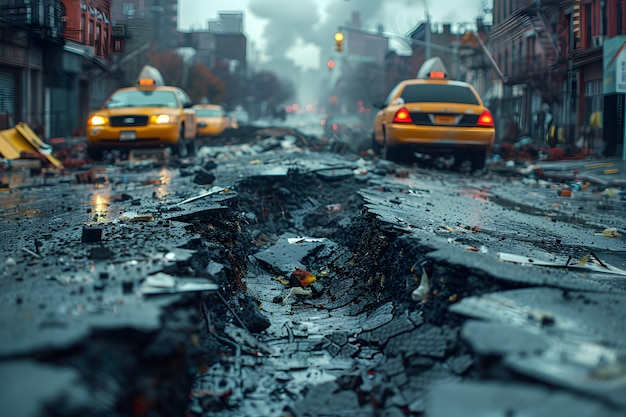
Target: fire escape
<point>538,65</point>
<point>41,20</point>
<point>36,24</point>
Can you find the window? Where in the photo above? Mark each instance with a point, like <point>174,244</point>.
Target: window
<point>588,25</point>
<point>82,29</point>
<point>438,93</point>
<point>593,97</point>
<point>128,10</point>
<point>98,43</point>
<point>105,43</point>
<point>90,33</point>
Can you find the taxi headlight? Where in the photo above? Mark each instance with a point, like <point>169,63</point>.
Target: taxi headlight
<point>97,120</point>
<point>162,119</point>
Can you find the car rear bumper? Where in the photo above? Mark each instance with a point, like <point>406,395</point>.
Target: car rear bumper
<point>210,131</point>
<point>433,137</point>
<point>145,136</point>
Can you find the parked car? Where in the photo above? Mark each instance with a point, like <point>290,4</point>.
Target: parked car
<point>212,119</point>
<point>434,115</point>
<point>144,116</point>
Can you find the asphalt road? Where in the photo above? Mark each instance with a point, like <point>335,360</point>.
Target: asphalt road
<point>165,288</point>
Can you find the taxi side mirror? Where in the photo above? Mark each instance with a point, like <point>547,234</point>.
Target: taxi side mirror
<point>378,104</point>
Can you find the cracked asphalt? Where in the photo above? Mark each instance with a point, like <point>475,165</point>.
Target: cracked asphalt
<point>175,287</point>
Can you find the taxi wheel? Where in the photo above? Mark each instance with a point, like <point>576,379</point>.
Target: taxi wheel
<point>180,147</point>
<point>478,158</point>
<point>391,153</point>
<point>95,153</point>
<point>192,147</point>
<point>375,145</point>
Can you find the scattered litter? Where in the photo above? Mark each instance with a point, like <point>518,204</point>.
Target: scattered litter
<point>334,208</point>
<point>135,217</point>
<point>30,252</point>
<point>422,292</point>
<point>295,291</point>
<point>564,192</point>
<point>451,230</point>
<point>609,232</point>
<point>583,265</point>
<point>293,240</point>
<point>213,190</point>
<point>161,283</point>
<point>301,278</point>
<point>611,192</point>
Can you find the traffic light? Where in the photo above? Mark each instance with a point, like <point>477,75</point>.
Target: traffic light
<point>339,41</point>
<point>331,64</point>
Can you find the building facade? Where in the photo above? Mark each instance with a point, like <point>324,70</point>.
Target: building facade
<point>551,54</point>
<point>49,50</point>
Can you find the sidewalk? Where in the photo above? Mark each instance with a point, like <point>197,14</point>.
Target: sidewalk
<point>603,171</point>
<point>608,172</point>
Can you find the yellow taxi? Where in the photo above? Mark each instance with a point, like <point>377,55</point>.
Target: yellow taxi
<point>434,115</point>
<point>144,116</point>
<point>212,119</point>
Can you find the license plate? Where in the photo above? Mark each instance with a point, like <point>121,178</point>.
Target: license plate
<point>444,120</point>
<point>128,135</point>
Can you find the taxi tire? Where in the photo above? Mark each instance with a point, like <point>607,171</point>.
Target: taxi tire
<point>180,147</point>
<point>192,147</point>
<point>477,158</point>
<point>375,145</point>
<point>95,154</point>
<point>391,153</point>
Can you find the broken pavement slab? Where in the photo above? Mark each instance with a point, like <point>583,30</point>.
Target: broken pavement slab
<point>290,252</point>
<point>479,399</point>
<point>576,347</point>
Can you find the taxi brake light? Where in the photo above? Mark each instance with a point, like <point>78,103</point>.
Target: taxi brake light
<point>402,116</point>
<point>145,82</point>
<point>437,74</point>
<point>485,119</point>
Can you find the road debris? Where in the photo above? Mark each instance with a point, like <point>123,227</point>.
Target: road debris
<point>161,283</point>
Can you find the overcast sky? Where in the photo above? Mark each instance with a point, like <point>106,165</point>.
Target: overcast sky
<point>303,29</point>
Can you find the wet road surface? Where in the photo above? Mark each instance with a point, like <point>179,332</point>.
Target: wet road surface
<point>435,291</point>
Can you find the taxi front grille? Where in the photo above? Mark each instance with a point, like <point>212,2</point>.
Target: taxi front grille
<point>424,119</point>
<point>127,121</point>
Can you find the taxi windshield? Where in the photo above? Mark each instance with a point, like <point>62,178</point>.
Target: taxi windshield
<point>438,93</point>
<point>142,98</point>
<point>208,112</point>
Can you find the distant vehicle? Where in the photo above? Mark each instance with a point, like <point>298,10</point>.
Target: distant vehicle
<point>434,115</point>
<point>212,120</point>
<point>239,116</point>
<point>343,124</point>
<point>145,116</point>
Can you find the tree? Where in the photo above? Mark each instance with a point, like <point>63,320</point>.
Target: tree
<point>203,84</point>
<point>170,64</point>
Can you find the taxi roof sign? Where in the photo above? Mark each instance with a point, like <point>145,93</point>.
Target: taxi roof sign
<point>149,72</point>
<point>437,74</point>
<point>433,68</point>
<point>146,82</point>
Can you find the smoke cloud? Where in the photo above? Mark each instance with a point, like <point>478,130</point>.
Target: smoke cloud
<point>302,22</point>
